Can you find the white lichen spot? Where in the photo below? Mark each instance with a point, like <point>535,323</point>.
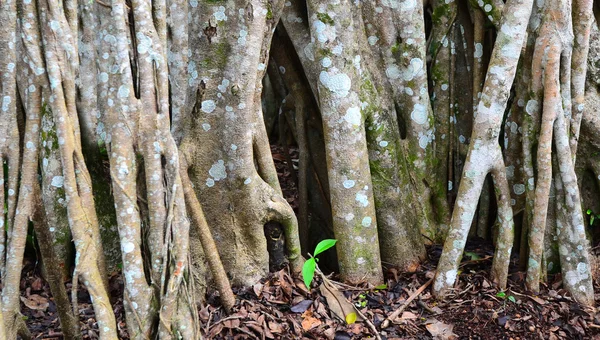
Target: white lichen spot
<point>519,188</point>
<point>372,40</point>
<point>58,181</point>
<point>128,247</point>
<point>217,170</point>
<point>362,199</point>
<point>451,277</point>
<point>361,260</point>
<point>349,183</point>
<point>220,14</point>
<point>233,147</point>
<point>208,106</point>
<point>353,116</point>
<point>419,114</point>
<point>210,182</point>
<point>6,100</point>
<point>487,7</point>
<point>339,84</point>
<point>478,50</point>
<point>282,69</point>
<point>326,62</point>
<point>123,91</point>
<point>349,217</point>
<point>383,143</point>
<point>248,181</point>
<point>366,221</point>
<point>450,185</point>
<point>261,67</point>
<point>393,71</point>
<point>206,126</point>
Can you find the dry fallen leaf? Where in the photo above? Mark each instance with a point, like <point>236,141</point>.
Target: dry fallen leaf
<point>441,331</point>
<point>35,302</point>
<point>308,322</point>
<point>337,301</point>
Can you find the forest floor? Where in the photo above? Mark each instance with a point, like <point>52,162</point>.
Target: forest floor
<point>280,306</point>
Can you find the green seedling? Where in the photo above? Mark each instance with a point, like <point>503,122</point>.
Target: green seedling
<point>593,216</point>
<point>308,269</point>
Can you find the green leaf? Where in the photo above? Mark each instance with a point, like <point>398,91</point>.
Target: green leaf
<point>501,295</point>
<point>380,287</point>
<point>589,212</point>
<point>512,299</point>
<point>351,318</point>
<point>324,245</point>
<point>592,220</point>
<point>308,271</point>
<point>473,256</point>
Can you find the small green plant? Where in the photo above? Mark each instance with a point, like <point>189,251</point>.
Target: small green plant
<point>510,298</point>
<point>308,270</point>
<point>593,216</point>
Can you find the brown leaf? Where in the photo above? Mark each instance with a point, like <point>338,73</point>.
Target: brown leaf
<point>308,321</point>
<point>441,331</point>
<point>37,284</point>
<point>408,315</point>
<point>337,301</point>
<point>35,302</point>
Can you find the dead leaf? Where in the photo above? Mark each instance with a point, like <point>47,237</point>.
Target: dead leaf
<point>302,306</point>
<point>308,322</point>
<point>408,315</point>
<point>337,301</point>
<point>441,331</point>
<point>35,302</point>
<point>538,300</point>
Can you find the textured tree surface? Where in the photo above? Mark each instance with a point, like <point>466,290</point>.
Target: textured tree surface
<point>136,136</point>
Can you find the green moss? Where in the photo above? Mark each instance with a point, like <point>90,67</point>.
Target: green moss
<point>324,17</point>
<point>440,12</point>
<point>269,11</point>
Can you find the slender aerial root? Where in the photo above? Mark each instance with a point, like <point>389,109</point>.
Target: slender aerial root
<point>544,167</point>
<point>504,241</point>
<point>208,244</point>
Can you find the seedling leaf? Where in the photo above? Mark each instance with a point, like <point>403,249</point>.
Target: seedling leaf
<point>501,295</point>
<point>308,271</point>
<point>512,299</point>
<point>380,287</point>
<point>324,245</point>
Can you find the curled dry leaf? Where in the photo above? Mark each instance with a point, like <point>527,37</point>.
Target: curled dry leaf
<point>441,331</point>
<point>308,321</point>
<point>35,302</point>
<point>337,301</point>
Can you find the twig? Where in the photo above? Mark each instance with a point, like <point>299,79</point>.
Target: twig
<point>233,317</point>
<point>369,323</point>
<point>397,312</point>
